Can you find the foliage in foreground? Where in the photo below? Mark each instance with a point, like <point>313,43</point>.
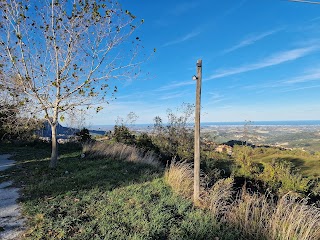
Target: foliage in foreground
<point>256,216</point>
<point>101,198</point>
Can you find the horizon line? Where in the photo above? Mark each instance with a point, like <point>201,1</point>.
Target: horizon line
<point>242,121</point>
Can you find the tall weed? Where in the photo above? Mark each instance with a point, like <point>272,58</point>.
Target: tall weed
<point>219,198</point>
<point>256,216</point>
<point>179,175</point>
<point>294,219</point>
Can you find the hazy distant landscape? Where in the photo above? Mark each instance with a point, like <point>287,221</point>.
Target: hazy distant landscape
<point>138,120</point>
<point>288,134</point>
<point>284,134</point>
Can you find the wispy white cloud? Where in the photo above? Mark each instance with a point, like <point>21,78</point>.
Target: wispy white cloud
<point>144,109</point>
<point>304,78</point>
<point>137,94</point>
<point>314,19</point>
<point>173,95</point>
<point>225,107</point>
<point>250,40</point>
<point>176,85</point>
<point>216,97</point>
<point>312,75</point>
<point>217,100</point>
<point>300,88</point>
<point>272,60</point>
<point>182,39</point>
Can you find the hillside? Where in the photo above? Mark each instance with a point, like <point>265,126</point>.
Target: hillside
<point>104,199</point>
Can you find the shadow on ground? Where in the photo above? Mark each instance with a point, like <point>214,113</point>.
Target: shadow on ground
<point>73,173</point>
<point>104,199</point>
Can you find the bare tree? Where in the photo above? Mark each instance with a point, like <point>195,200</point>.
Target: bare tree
<point>62,54</point>
<point>130,119</point>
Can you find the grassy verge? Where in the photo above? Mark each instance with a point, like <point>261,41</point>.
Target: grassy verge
<point>308,167</point>
<point>104,199</point>
<point>256,216</point>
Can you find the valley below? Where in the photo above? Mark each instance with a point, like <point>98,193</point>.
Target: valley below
<point>305,137</point>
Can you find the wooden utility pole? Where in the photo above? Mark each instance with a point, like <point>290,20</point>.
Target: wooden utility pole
<point>198,78</point>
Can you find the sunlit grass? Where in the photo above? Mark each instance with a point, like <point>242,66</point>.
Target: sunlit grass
<point>103,198</point>
<point>120,151</point>
<point>256,216</point>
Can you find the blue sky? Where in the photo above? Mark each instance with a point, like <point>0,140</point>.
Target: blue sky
<point>261,60</point>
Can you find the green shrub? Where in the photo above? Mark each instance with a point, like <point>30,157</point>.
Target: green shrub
<point>84,135</point>
<point>145,142</point>
<point>315,187</point>
<point>122,134</point>
<point>175,139</point>
<point>281,174</point>
<point>243,155</point>
<point>216,165</point>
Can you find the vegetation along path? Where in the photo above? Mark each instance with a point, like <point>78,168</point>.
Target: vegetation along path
<point>11,222</point>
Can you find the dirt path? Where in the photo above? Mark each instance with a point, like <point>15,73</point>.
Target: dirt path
<point>11,222</point>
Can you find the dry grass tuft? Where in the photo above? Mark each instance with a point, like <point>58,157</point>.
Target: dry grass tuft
<point>289,218</point>
<point>256,216</point>
<point>120,151</point>
<point>295,219</point>
<point>219,198</point>
<point>251,214</point>
<point>179,176</point>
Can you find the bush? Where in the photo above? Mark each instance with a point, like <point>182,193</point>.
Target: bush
<point>84,135</point>
<point>122,134</point>
<point>243,156</point>
<point>281,174</point>
<point>145,142</point>
<point>175,139</point>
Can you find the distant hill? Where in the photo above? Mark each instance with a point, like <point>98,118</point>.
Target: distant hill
<point>232,143</point>
<point>63,132</point>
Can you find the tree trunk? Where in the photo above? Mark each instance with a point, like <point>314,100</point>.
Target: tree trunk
<point>54,150</point>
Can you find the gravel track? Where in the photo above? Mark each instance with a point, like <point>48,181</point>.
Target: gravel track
<point>11,221</point>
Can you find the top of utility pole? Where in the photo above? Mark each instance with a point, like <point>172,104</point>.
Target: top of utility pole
<point>199,63</point>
